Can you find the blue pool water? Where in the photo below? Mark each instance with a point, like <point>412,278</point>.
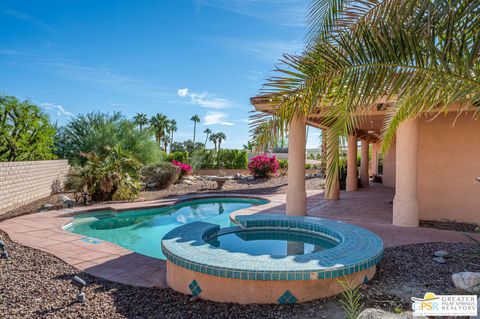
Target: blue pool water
<point>142,230</point>
<point>278,243</point>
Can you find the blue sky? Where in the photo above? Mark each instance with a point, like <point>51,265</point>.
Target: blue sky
<point>177,57</point>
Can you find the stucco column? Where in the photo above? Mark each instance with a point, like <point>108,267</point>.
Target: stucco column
<point>405,203</point>
<point>332,192</point>
<point>364,175</point>
<point>296,194</point>
<point>352,174</point>
<point>374,160</point>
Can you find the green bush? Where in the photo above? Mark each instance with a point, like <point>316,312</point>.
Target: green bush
<point>163,174</point>
<point>178,156</point>
<point>232,159</point>
<point>283,163</point>
<point>210,159</point>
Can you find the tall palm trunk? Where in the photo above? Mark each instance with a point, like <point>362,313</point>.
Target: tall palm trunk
<point>206,139</point>
<point>194,131</point>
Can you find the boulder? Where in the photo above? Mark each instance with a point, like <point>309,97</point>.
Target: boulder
<point>439,260</point>
<point>237,176</point>
<point>467,281</point>
<point>151,185</point>
<point>372,313</point>
<point>441,253</point>
<point>66,201</point>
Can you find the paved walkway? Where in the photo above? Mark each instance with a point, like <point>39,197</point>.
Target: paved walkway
<point>370,208</point>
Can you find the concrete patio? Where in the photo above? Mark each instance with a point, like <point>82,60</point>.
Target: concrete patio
<point>370,208</point>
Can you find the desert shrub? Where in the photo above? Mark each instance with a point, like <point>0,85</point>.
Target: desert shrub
<point>185,169</point>
<point>162,175</point>
<point>128,189</point>
<point>283,163</point>
<point>263,166</point>
<point>178,156</point>
<point>102,176</point>
<point>312,166</point>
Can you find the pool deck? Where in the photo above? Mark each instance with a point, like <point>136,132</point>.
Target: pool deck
<point>370,208</point>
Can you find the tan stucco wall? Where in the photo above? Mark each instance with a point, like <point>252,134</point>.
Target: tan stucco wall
<point>221,289</point>
<point>448,163</point>
<point>388,177</point>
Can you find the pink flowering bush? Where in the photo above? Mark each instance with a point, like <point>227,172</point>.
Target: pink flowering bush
<point>263,166</point>
<point>185,169</point>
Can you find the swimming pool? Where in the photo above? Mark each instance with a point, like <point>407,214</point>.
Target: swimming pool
<point>142,230</point>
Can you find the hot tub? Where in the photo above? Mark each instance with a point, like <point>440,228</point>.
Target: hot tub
<point>269,258</point>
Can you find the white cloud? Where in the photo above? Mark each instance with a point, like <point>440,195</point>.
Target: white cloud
<point>182,92</point>
<point>58,109</point>
<point>204,99</point>
<point>213,118</point>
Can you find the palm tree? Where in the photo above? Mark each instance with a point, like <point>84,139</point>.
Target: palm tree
<point>159,124</point>
<point>195,119</point>
<point>172,127</point>
<point>220,138</point>
<point>214,139</point>
<point>165,140</point>
<point>424,54</point>
<point>141,120</point>
<point>207,132</point>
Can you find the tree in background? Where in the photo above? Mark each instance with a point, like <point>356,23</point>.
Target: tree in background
<point>207,134</point>
<point>159,124</point>
<point>172,127</point>
<point>195,119</point>
<point>220,138</point>
<point>141,120</point>
<point>25,131</point>
<point>214,139</point>
<point>95,132</point>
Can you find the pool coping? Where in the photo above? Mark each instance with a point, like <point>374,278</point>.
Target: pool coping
<point>358,249</point>
<point>45,231</point>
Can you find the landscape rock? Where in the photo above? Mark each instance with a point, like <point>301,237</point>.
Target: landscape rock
<point>151,185</point>
<point>467,281</point>
<point>188,182</point>
<point>441,253</point>
<point>439,260</point>
<point>66,201</point>
<point>237,176</point>
<point>372,313</point>
<point>47,206</point>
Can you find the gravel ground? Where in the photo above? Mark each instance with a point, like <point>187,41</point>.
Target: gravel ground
<point>34,284</point>
<point>277,185</point>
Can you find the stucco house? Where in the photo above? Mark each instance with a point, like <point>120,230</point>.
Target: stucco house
<point>434,164</point>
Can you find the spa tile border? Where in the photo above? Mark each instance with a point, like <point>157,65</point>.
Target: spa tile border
<point>358,249</point>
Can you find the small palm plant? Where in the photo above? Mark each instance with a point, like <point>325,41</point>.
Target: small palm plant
<point>351,300</point>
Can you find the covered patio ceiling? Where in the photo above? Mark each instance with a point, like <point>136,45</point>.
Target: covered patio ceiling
<point>369,123</point>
